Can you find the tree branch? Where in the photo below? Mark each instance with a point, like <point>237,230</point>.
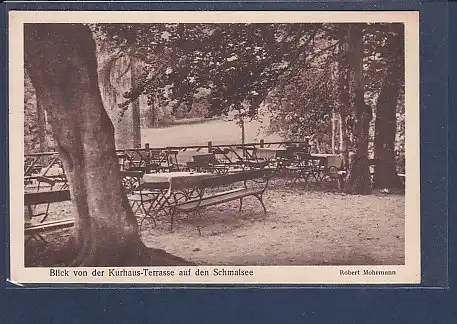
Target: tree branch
<point>137,92</point>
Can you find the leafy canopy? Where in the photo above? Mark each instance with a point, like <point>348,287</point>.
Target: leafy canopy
<point>231,66</point>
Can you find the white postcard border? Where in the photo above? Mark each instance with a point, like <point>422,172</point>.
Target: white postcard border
<point>395,274</point>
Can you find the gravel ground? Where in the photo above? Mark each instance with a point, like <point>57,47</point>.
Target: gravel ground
<point>302,227</point>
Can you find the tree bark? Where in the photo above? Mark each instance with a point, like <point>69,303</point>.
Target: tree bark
<point>358,179</point>
<point>134,73</point>
<point>386,120</point>
<point>62,65</point>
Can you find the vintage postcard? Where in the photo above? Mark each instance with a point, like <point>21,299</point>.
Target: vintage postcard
<point>214,147</point>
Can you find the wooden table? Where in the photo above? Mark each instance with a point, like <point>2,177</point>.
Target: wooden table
<point>156,192</point>
<point>318,167</point>
<point>173,180</point>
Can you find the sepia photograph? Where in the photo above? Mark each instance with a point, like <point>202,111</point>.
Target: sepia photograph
<point>227,145</point>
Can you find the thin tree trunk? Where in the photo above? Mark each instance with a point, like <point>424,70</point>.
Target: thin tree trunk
<point>153,110</point>
<point>134,73</point>
<point>340,133</point>
<point>358,179</point>
<point>333,132</point>
<point>344,97</point>
<point>386,120</point>
<point>62,65</point>
<point>243,135</point>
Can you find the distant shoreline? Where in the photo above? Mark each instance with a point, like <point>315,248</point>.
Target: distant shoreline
<point>187,121</point>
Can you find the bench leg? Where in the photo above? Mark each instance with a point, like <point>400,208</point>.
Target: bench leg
<point>241,204</point>
<point>260,198</point>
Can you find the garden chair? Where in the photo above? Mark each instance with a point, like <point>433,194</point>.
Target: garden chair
<point>139,198</point>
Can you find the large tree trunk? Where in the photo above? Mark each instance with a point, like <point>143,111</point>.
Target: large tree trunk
<point>134,73</point>
<point>61,61</point>
<point>386,120</point>
<point>358,179</point>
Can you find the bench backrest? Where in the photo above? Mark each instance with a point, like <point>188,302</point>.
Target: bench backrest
<point>46,197</point>
<point>230,178</point>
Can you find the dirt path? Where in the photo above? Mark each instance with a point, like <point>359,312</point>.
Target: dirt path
<point>301,228</point>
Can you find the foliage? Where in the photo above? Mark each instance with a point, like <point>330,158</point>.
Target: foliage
<point>31,139</point>
<point>190,70</point>
<point>231,65</point>
<point>400,135</point>
<point>31,129</point>
<point>303,103</point>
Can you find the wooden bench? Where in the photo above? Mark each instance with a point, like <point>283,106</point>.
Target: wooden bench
<point>195,206</point>
<point>46,197</point>
<point>49,226</point>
